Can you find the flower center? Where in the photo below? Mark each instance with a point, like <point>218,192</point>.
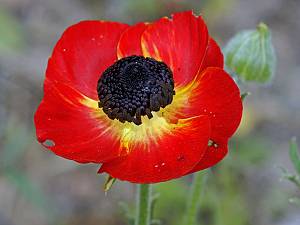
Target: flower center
<point>135,86</point>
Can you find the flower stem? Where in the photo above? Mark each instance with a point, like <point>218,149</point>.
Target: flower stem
<point>143,211</point>
<point>194,198</point>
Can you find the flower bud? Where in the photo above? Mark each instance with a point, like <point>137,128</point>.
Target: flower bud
<point>250,55</point>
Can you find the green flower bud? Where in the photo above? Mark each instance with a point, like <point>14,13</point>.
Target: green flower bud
<point>250,55</point>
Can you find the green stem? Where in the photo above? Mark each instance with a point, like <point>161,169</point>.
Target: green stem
<point>194,198</point>
<point>143,213</point>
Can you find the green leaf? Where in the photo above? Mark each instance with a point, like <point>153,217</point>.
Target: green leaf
<point>250,55</point>
<point>294,154</point>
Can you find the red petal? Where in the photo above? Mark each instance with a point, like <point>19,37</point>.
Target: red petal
<point>216,94</point>
<point>83,52</point>
<point>74,130</point>
<point>214,154</point>
<point>169,157</point>
<point>130,41</point>
<point>213,56</point>
<point>180,42</point>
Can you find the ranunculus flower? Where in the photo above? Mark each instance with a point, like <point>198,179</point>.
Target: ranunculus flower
<point>150,102</point>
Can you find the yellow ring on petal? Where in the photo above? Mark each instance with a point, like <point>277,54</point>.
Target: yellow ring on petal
<point>151,130</point>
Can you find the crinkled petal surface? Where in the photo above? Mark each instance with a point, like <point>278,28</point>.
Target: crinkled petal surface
<point>218,97</point>
<point>130,41</point>
<point>83,52</point>
<point>180,147</point>
<point>215,94</point>
<point>180,42</point>
<point>66,118</point>
<point>225,113</point>
<point>213,56</point>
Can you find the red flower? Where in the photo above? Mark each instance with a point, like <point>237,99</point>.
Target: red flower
<point>145,119</point>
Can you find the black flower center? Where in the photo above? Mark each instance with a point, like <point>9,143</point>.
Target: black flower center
<point>135,86</point>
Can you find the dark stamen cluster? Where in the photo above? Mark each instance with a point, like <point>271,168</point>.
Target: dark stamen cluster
<point>135,86</point>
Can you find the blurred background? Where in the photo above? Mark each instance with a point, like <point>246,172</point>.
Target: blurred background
<point>38,188</point>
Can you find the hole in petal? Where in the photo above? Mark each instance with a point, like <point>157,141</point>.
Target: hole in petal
<point>48,143</point>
